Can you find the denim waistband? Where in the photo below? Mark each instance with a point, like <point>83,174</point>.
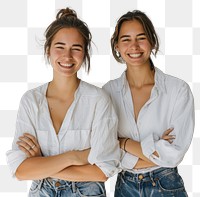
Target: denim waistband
<point>149,176</point>
<point>58,184</point>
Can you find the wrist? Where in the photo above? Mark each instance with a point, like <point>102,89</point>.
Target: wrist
<point>124,146</point>
<point>71,158</point>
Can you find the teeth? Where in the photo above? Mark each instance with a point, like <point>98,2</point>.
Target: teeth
<point>66,65</point>
<point>135,55</point>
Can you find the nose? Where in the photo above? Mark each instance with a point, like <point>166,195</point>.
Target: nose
<point>67,54</point>
<point>134,45</point>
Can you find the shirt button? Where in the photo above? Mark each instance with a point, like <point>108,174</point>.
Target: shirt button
<point>57,184</point>
<point>140,177</point>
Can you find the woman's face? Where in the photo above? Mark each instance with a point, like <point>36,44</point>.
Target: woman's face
<point>66,52</point>
<point>133,45</point>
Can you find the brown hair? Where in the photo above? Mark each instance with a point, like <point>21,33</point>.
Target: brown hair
<point>148,29</point>
<point>67,18</point>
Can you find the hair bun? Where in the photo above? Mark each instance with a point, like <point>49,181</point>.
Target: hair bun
<point>65,13</point>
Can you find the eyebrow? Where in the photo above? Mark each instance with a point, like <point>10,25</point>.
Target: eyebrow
<point>126,36</point>
<point>141,34</point>
<point>61,43</point>
<point>77,45</point>
<point>74,45</point>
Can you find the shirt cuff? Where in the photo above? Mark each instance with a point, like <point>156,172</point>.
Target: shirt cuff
<point>148,146</point>
<point>14,159</point>
<point>128,161</point>
<point>108,168</point>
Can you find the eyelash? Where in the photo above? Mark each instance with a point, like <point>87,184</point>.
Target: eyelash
<point>127,40</point>
<point>76,49</point>
<point>59,47</point>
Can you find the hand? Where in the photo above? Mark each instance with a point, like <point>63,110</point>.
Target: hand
<point>121,142</point>
<point>81,157</point>
<point>29,145</point>
<point>166,135</point>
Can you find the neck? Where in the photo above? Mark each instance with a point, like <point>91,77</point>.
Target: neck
<point>140,76</point>
<point>63,87</point>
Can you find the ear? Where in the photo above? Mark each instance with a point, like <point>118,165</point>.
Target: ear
<point>47,51</point>
<point>117,48</point>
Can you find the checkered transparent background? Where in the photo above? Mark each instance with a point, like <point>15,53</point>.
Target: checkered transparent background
<point>22,65</point>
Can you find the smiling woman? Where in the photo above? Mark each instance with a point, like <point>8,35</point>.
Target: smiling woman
<point>155,111</point>
<point>63,127</point>
<point>66,52</point>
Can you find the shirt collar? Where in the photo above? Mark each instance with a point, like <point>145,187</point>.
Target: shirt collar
<point>159,81</point>
<point>43,90</point>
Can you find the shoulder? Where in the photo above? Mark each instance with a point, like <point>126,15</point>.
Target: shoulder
<point>169,82</point>
<point>113,85</point>
<point>35,95</point>
<point>175,83</point>
<point>175,87</point>
<point>92,91</point>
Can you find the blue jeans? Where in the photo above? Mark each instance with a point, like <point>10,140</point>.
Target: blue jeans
<point>59,188</point>
<point>162,182</point>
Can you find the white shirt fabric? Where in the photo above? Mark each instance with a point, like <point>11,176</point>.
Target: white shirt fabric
<point>170,105</point>
<point>90,122</point>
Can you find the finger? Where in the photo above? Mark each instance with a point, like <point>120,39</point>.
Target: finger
<point>24,145</point>
<point>32,152</point>
<point>28,135</point>
<point>32,138</point>
<point>166,137</point>
<point>170,141</point>
<point>28,154</point>
<point>168,131</point>
<point>26,140</point>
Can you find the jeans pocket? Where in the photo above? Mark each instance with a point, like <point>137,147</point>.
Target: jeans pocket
<point>91,189</point>
<point>171,182</point>
<point>34,187</point>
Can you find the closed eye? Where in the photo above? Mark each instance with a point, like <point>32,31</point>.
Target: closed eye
<point>141,38</point>
<point>125,40</point>
<point>77,49</point>
<point>59,47</point>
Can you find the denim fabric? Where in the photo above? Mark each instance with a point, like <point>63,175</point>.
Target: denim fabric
<point>59,188</point>
<point>162,182</point>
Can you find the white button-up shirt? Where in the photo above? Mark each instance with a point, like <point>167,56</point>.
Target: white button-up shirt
<point>170,105</point>
<point>90,122</point>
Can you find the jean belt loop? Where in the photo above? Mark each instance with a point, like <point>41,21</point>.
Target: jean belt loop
<point>73,187</point>
<point>152,178</point>
<point>41,183</point>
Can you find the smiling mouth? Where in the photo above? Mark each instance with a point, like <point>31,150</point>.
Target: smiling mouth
<point>135,55</point>
<point>64,65</point>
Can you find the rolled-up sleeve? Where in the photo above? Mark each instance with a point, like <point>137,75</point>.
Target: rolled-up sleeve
<point>128,161</point>
<point>24,124</point>
<point>182,120</point>
<point>105,151</point>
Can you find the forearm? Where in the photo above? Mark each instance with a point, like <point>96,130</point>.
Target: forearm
<point>81,173</point>
<point>143,164</point>
<point>134,148</point>
<point>41,167</point>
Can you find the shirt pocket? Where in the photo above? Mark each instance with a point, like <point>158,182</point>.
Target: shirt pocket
<point>77,139</point>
